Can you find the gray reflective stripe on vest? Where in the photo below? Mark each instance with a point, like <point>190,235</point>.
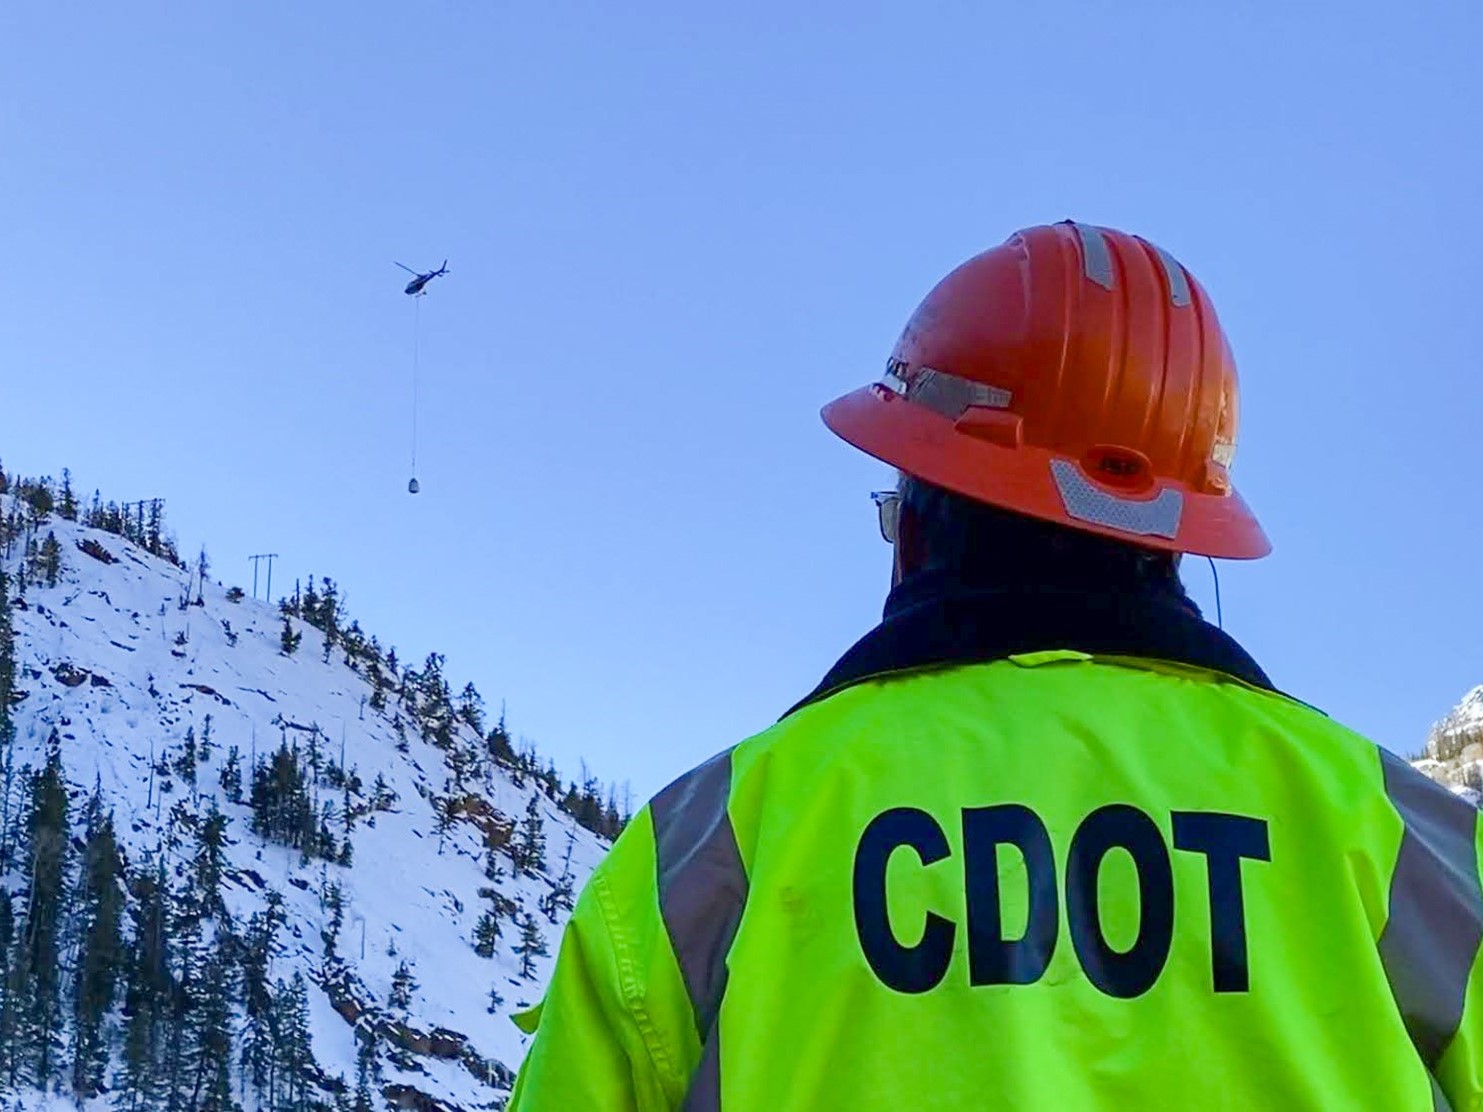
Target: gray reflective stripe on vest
<point>1146,517</point>
<point>704,1094</point>
<point>1439,1098</point>
<point>1096,254</point>
<point>1435,925</point>
<point>702,893</point>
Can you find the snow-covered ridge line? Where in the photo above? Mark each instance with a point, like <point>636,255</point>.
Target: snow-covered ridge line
<point>409,869</point>
<point>1453,755</point>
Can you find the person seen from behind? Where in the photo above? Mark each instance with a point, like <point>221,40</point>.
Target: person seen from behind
<point>1044,838</point>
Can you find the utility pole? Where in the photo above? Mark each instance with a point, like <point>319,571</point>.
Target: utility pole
<point>270,557</point>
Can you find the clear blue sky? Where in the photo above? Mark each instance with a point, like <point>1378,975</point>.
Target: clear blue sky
<point>674,231</point>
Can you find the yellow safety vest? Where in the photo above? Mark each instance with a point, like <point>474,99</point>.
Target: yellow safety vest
<point>1051,880</point>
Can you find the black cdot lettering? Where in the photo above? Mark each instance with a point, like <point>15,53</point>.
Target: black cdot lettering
<point>1226,841</point>
<point>1134,972</point>
<point>917,968</point>
<point>993,959</point>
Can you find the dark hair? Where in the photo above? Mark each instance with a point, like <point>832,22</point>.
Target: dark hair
<point>988,546</point>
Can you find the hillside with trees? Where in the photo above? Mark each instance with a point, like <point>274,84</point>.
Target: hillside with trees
<point>249,857</point>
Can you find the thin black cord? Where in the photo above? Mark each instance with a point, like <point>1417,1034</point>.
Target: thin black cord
<point>1215,572</point>
<point>416,344</point>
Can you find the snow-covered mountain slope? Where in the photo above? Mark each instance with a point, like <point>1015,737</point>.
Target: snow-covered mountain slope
<point>1454,748</point>
<point>156,686</point>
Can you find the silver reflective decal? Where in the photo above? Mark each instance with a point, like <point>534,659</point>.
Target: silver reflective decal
<point>1097,254</point>
<point>1178,280</point>
<point>1155,517</point>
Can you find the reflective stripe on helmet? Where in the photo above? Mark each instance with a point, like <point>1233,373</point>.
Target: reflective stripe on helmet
<point>1150,517</point>
<point>1097,257</point>
<point>953,396</point>
<point>1178,283</point>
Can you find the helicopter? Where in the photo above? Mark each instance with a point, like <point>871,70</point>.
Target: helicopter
<point>419,281</point>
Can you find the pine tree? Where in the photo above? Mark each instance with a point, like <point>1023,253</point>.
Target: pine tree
<point>149,989</point>
<point>231,776</point>
<point>309,604</point>
<point>37,494</point>
<point>203,566</point>
<point>471,708</point>
<point>38,956</point>
<point>486,933</point>
<point>443,815</point>
<point>210,860</point>
<point>329,608</point>
<point>324,841</point>
<point>49,560</point>
<point>528,850</point>
<point>334,908</point>
<point>571,802</point>
<point>347,804</point>
<point>154,529</point>
<point>382,797</point>
<point>189,957</point>
<point>185,764</point>
<point>367,1068</point>
<point>498,743</point>
<point>532,944</point>
<point>403,986</point>
<point>8,989</point>
<point>295,1054</point>
<point>258,1048</point>
<point>561,897</point>
<point>7,662</point>
<point>282,809</point>
<point>612,822</point>
<point>68,507</point>
<point>7,720</point>
<point>100,903</point>
<point>210,1030</point>
<point>288,640</point>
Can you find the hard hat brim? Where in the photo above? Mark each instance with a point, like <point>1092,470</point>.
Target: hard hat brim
<point>1026,479</point>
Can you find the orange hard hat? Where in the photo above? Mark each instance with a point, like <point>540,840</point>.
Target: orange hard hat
<point>1075,374</point>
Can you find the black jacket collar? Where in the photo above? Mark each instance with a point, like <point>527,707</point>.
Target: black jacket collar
<point>948,624</point>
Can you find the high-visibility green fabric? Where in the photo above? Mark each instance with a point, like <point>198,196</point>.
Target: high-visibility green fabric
<point>806,1022</point>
